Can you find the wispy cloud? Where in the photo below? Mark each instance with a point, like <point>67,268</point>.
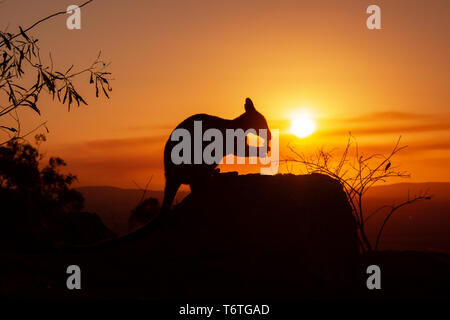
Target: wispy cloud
<point>395,123</point>
<point>391,116</point>
<point>388,129</point>
<point>126,142</point>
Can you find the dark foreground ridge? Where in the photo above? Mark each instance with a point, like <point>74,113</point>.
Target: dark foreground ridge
<point>242,236</point>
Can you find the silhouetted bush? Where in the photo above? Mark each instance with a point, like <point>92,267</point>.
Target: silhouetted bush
<point>357,173</point>
<point>145,211</point>
<point>37,201</point>
<point>21,61</point>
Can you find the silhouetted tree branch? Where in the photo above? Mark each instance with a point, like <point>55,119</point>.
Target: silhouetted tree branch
<point>357,174</point>
<point>21,61</point>
<point>44,19</point>
<point>393,208</point>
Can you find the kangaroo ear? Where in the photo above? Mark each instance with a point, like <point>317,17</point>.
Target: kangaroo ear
<point>249,105</point>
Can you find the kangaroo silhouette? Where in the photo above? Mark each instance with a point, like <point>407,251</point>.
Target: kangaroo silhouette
<point>192,174</point>
<point>195,174</point>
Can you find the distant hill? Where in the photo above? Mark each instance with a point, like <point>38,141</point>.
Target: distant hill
<point>439,190</point>
<point>421,226</point>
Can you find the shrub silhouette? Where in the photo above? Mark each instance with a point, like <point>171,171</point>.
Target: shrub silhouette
<point>357,173</point>
<point>21,61</point>
<point>144,212</point>
<point>36,201</point>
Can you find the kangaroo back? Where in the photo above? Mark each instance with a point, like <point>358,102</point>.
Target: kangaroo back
<point>191,171</point>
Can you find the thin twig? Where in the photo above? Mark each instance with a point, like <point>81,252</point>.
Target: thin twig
<point>44,19</point>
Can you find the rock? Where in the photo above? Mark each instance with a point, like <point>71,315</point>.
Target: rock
<point>290,227</point>
<point>249,236</point>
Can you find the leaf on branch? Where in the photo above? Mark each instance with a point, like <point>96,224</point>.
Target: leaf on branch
<point>65,96</point>
<point>82,100</point>
<point>104,91</point>
<point>32,105</point>
<point>70,100</point>
<point>23,34</point>
<point>49,83</point>
<point>11,94</point>
<point>78,97</point>
<point>6,41</point>
<point>9,128</point>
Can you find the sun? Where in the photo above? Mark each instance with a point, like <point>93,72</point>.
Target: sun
<point>302,125</point>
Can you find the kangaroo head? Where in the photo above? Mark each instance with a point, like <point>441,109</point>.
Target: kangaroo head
<point>252,119</point>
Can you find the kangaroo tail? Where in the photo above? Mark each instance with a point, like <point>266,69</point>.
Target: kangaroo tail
<point>170,192</point>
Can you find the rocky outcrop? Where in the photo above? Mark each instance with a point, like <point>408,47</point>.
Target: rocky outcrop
<point>249,235</point>
<point>292,232</point>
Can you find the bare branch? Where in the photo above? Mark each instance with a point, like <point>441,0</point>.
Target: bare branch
<point>44,19</point>
<point>23,53</point>
<point>394,209</point>
<point>356,175</point>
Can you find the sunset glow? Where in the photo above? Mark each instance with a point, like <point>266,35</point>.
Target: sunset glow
<point>271,151</point>
<point>302,125</point>
<point>177,59</point>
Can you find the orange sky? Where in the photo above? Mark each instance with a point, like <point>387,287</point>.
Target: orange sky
<point>171,59</point>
